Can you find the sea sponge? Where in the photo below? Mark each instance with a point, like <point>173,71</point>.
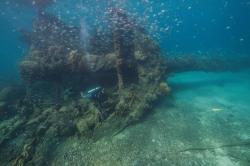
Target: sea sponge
<point>164,89</point>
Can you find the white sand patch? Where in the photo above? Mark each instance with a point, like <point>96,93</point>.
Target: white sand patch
<point>216,109</point>
<point>223,160</point>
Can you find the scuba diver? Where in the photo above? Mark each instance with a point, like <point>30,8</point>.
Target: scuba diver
<point>98,96</point>
<point>94,94</point>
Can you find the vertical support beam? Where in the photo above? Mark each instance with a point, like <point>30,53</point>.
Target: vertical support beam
<point>119,57</point>
<point>123,44</point>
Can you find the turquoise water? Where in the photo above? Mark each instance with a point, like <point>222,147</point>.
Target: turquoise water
<point>83,82</point>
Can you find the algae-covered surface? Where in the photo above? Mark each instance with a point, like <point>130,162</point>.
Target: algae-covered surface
<point>90,82</point>
<point>204,122</point>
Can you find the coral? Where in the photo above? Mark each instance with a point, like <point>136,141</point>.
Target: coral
<point>164,88</point>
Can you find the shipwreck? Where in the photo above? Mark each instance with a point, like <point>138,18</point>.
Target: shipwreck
<point>69,90</point>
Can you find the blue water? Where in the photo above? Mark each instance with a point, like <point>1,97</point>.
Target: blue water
<point>204,120</point>
<point>181,26</point>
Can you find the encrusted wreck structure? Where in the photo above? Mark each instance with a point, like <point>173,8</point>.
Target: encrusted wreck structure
<point>130,71</point>
<point>128,68</point>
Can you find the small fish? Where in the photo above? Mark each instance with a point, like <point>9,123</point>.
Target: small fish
<point>93,93</point>
<point>216,109</point>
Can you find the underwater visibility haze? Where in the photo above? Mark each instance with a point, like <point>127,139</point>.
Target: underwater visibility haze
<point>125,82</point>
